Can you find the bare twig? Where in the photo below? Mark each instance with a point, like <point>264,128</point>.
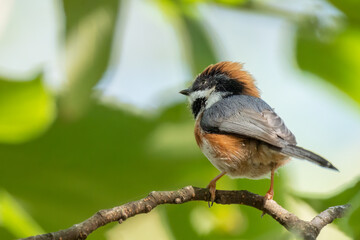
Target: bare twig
<point>308,230</point>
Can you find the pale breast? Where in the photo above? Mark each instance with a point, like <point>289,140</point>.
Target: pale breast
<point>238,157</point>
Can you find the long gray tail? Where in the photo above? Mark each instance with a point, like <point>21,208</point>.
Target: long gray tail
<point>298,152</point>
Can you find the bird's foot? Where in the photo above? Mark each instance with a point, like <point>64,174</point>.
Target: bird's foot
<point>269,195</point>
<point>212,190</point>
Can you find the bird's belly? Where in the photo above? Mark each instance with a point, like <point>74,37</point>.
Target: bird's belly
<point>241,157</point>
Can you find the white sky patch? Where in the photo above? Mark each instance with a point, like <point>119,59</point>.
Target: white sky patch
<point>151,69</point>
<point>29,42</point>
<point>5,10</point>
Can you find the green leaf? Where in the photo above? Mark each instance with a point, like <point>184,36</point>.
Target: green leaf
<point>26,110</point>
<point>350,8</point>
<point>335,59</point>
<point>90,26</point>
<point>15,219</point>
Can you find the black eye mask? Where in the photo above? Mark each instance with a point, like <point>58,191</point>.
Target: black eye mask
<point>197,105</point>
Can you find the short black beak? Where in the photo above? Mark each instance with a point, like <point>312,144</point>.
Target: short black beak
<point>185,92</point>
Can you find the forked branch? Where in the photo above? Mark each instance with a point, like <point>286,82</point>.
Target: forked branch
<point>307,230</point>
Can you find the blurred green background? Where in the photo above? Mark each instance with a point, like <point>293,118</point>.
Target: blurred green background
<point>91,118</point>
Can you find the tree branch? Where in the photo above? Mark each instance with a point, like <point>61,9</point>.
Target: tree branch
<point>307,230</point>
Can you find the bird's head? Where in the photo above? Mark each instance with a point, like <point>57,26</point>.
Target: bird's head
<point>217,82</point>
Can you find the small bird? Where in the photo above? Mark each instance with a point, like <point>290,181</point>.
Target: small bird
<point>237,131</point>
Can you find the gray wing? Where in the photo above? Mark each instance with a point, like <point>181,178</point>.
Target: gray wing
<point>247,116</point>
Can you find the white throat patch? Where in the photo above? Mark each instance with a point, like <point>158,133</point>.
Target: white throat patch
<point>200,94</point>
<point>210,95</point>
<point>213,98</point>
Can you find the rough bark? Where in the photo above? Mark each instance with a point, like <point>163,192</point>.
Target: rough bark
<point>307,230</point>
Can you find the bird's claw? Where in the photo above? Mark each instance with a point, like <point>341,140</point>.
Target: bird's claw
<point>269,195</point>
<point>212,190</point>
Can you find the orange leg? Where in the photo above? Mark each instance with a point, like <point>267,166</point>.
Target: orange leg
<point>212,187</point>
<point>270,194</point>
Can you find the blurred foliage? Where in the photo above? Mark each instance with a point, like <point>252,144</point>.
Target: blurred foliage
<point>106,156</point>
<point>351,195</point>
<point>332,53</point>
<point>350,8</point>
<point>89,32</point>
<point>15,219</point>
<point>26,110</point>
<point>196,41</point>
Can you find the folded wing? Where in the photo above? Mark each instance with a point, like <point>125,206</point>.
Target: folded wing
<point>247,116</point>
